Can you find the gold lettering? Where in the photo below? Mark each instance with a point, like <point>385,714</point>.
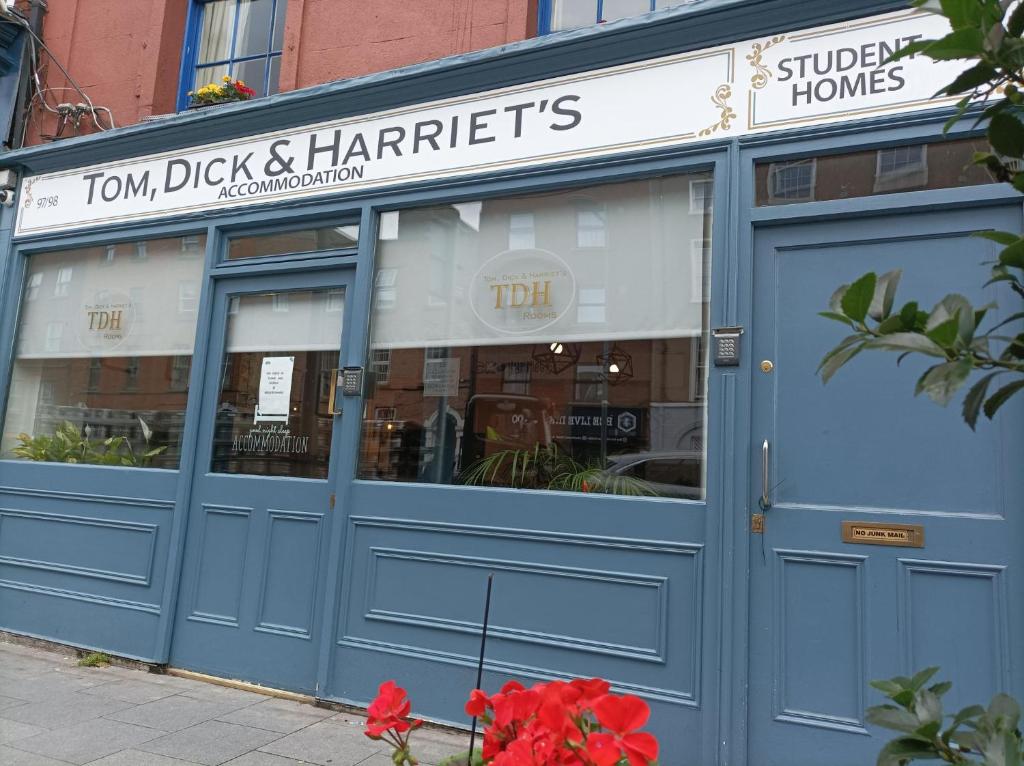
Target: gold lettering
<point>115,320</point>
<point>538,293</point>
<point>519,289</point>
<point>498,294</point>
<point>92,319</point>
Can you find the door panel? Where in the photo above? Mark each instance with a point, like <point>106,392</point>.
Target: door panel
<point>255,552</point>
<point>827,616</point>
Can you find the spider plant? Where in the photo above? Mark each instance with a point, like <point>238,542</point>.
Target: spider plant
<point>549,467</point>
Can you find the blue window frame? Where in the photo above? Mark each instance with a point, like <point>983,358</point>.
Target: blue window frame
<point>239,38</point>
<point>556,15</point>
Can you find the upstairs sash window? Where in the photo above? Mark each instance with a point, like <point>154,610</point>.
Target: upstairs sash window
<point>241,39</point>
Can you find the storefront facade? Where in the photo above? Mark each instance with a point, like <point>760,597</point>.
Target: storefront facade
<point>526,253</point>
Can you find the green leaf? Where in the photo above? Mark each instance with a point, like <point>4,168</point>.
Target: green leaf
<point>835,303</point>
<point>922,677</point>
<point>884,294</point>
<point>928,707</point>
<point>965,43</point>
<point>1002,237</point>
<point>917,46</point>
<point>968,80</point>
<point>942,381</point>
<point>962,13</point>
<point>1000,397</point>
<point>975,397</point>
<point>1005,707</point>
<point>1014,254</point>
<point>899,751</point>
<point>1006,134</point>
<point>972,711</point>
<point>890,325</point>
<point>945,334</point>
<point>857,299</point>
<point>835,359</point>
<point>892,717</point>
<point>907,341</point>
<point>1008,320</point>
<point>836,317</point>
<point>908,316</point>
<point>885,686</point>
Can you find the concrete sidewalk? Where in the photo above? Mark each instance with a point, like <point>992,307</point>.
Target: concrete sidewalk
<point>54,713</point>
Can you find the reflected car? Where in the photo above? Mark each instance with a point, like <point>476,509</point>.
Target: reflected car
<point>677,474</point>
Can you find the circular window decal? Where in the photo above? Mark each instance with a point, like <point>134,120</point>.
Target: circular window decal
<point>106,322</point>
<point>520,292</point>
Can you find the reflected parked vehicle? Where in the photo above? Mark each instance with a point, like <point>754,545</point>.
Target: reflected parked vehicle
<point>677,474</point>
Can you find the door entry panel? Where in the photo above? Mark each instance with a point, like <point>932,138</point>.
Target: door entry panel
<point>256,547</point>
<point>827,616</point>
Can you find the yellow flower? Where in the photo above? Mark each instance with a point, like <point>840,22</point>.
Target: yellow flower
<point>226,78</point>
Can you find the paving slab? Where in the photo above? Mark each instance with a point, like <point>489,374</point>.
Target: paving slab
<point>266,759</point>
<point>12,731</point>
<point>87,741</point>
<point>283,716</point>
<point>11,757</point>
<point>130,690</point>
<point>173,713</point>
<point>138,758</point>
<point>65,710</point>
<point>326,743</point>
<point>210,743</point>
<point>54,713</point>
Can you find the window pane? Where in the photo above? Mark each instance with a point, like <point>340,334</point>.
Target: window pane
<point>254,20</point>
<point>280,11</point>
<point>621,9</point>
<point>254,74</point>
<point>940,165</point>
<point>103,353</point>
<point>584,360</point>
<point>274,83</point>
<point>273,412</point>
<point>570,14</point>
<point>207,74</point>
<point>299,241</point>
<point>216,30</point>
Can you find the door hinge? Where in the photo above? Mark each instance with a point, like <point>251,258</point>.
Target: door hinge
<point>332,501</point>
<point>757,523</point>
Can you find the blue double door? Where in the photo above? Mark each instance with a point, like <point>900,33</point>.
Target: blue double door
<point>252,587</point>
<point>827,616</point>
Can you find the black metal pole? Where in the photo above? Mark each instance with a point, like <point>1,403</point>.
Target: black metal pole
<point>480,664</point>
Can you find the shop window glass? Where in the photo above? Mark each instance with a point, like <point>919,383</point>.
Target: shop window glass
<point>571,14</point>
<point>242,39</point>
<point>274,410</point>
<point>298,241</point>
<point>559,366</point>
<point>97,376</point>
<point>944,164</point>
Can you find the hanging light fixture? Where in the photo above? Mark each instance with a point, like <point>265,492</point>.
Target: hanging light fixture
<point>556,357</point>
<point>617,365</point>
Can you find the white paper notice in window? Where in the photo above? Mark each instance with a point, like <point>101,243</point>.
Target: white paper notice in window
<point>275,389</point>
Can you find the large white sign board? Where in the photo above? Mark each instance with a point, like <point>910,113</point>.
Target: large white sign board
<point>816,76</point>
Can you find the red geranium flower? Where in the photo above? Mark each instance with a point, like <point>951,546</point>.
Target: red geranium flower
<point>623,716</point>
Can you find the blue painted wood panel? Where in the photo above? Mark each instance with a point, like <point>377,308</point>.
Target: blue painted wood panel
<point>84,554</point>
<point>826,616</point>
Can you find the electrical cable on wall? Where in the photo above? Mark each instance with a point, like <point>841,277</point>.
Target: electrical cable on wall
<point>68,114</point>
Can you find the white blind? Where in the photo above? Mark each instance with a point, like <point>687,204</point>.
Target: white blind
<point>130,299</point>
<point>615,262</point>
<point>304,320</point>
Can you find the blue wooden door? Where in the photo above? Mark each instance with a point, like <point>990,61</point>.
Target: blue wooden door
<point>261,497</point>
<point>827,616</point>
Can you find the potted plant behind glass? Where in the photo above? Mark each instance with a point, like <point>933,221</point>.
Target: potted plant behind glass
<point>225,93</point>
